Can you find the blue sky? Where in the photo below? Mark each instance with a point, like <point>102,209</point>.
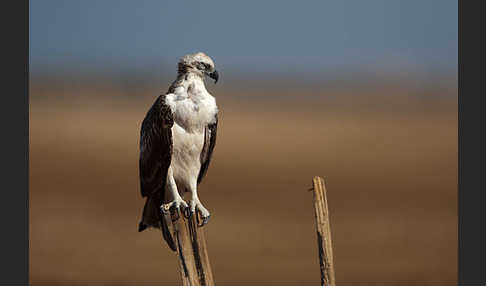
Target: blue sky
<point>269,36</point>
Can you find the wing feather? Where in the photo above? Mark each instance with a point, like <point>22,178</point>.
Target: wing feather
<point>210,133</point>
<point>155,148</point>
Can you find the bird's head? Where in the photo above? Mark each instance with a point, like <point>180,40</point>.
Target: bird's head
<point>198,63</point>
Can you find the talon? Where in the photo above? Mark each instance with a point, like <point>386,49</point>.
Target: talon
<point>200,211</point>
<point>205,221</point>
<point>173,206</point>
<point>187,213</point>
<point>184,204</point>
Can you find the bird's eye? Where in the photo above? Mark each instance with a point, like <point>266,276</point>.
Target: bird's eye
<point>203,66</point>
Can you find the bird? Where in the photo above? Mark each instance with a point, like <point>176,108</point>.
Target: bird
<point>177,140</point>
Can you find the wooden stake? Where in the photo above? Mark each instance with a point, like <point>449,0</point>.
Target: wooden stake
<point>191,249</point>
<point>324,244</point>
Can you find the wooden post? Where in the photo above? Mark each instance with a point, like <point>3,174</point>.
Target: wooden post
<point>191,250</point>
<point>324,244</point>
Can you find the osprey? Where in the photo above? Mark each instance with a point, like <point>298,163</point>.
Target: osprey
<point>177,139</point>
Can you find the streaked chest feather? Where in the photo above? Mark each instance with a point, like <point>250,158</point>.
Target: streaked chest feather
<point>186,154</point>
<point>191,116</point>
<point>186,143</point>
<point>193,109</point>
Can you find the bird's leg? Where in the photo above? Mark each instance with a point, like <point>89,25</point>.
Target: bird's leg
<point>177,200</point>
<point>196,205</point>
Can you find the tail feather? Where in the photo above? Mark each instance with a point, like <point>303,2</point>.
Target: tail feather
<point>153,217</point>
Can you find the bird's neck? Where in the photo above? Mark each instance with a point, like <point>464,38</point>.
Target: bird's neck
<point>192,82</point>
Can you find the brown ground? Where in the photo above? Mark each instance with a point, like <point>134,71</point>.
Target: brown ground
<point>390,165</point>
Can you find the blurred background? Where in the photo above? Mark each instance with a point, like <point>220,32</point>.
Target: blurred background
<point>363,93</point>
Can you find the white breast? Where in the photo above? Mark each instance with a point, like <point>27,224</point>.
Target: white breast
<point>186,153</point>
<point>192,113</point>
<point>193,110</point>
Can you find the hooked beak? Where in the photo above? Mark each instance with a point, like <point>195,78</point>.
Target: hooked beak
<point>214,75</point>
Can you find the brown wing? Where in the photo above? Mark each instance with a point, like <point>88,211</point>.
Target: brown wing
<point>155,148</point>
<point>210,133</point>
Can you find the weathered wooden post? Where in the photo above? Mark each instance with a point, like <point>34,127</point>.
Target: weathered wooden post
<point>191,249</point>
<point>324,244</point>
